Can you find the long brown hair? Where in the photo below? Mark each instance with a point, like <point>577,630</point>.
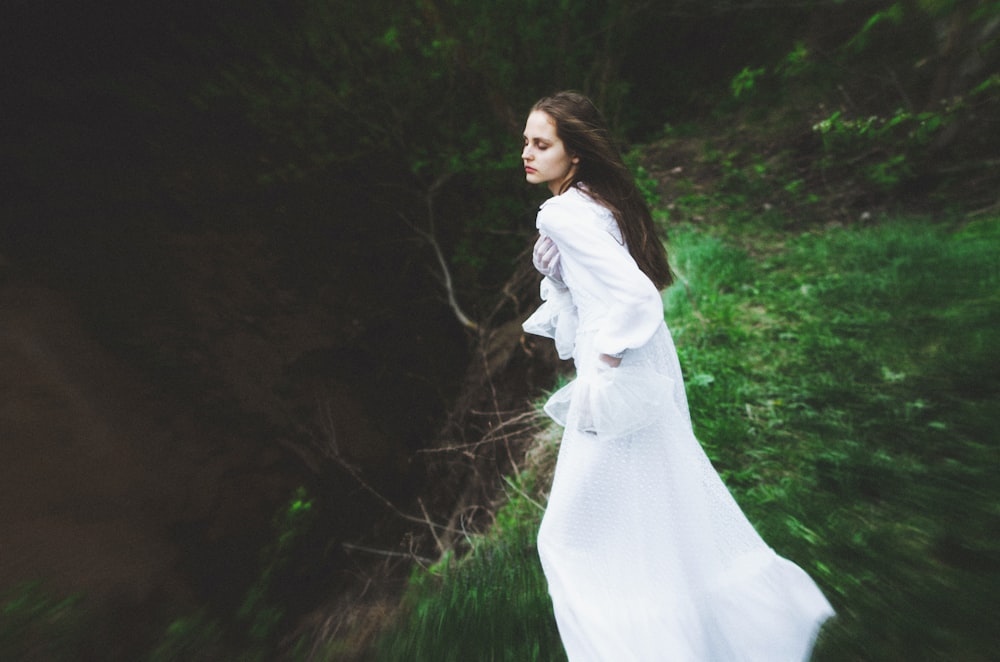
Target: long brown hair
<point>606,179</point>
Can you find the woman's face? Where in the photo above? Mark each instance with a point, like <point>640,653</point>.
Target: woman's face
<point>544,155</point>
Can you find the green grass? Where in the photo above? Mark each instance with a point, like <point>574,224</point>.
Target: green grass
<point>492,605</point>
<point>36,624</point>
<point>845,383</point>
<point>855,374</point>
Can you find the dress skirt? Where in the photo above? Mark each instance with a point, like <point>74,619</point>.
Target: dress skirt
<point>647,555</point>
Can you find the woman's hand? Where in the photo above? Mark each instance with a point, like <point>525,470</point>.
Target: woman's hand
<point>611,361</point>
<point>545,257</point>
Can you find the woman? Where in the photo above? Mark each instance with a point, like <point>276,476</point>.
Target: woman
<point>647,555</point>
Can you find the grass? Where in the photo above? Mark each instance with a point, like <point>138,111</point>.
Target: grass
<point>852,419</point>
<point>37,625</point>
<point>491,605</point>
<point>845,383</point>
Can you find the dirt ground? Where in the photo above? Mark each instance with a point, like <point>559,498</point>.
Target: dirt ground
<point>97,474</point>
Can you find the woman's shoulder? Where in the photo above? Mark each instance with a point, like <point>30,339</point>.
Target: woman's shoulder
<point>574,197</point>
<point>573,204</point>
<point>572,207</point>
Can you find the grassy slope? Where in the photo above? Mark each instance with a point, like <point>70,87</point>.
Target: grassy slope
<point>843,380</point>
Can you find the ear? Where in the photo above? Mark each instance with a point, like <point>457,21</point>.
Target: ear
<point>575,160</point>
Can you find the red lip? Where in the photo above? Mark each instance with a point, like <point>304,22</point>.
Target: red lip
<point>529,169</point>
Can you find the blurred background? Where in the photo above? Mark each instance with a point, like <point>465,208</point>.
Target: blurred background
<point>263,266</point>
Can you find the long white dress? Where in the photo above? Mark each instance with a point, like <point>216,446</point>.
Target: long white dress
<point>647,555</point>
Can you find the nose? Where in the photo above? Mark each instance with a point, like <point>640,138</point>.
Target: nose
<point>526,153</point>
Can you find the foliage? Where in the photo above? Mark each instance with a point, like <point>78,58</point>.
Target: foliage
<point>903,101</point>
<point>893,15</point>
<point>744,81</point>
<point>893,147</point>
<point>425,97</point>
<point>740,182</point>
<point>35,625</point>
<point>254,631</point>
<point>646,183</point>
<point>490,605</point>
<point>197,637</point>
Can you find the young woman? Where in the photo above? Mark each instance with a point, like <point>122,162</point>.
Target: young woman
<point>647,555</point>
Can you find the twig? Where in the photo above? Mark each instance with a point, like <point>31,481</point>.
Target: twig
<point>389,504</point>
<point>492,436</point>
<point>387,552</point>
<point>427,518</point>
<point>428,236</point>
<point>899,87</point>
<point>524,494</point>
<point>847,97</point>
<point>462,518</point>
<point>331,451</point>
<point>446,280</point>
<point>496,401</point>
<point>985,210</point>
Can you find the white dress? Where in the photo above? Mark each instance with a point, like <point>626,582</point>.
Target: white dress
<point>647,555</point>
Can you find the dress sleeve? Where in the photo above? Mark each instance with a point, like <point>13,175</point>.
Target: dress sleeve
<point>556,318</point>
<point>593,259</point>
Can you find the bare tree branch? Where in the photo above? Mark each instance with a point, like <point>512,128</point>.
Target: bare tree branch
<point>387,552</point>
<point>428,235</point>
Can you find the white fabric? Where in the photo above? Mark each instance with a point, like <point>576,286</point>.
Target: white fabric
<point>619,301</point>
<point>556,318</point>
<point>647,555</point>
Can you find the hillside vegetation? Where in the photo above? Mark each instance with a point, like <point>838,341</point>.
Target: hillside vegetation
<point>843,380</point>
<point>840,348</point>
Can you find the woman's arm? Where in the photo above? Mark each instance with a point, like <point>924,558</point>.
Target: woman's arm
<point>612,361</point>
<point>594,259</point>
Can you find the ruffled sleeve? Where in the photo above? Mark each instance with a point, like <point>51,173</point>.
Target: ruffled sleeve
<point>612,403</point>
<point>596,262</point>
<point>556,318</point>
